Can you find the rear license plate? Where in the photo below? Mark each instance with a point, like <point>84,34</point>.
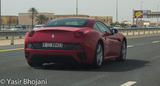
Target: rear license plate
<point>52,45</point>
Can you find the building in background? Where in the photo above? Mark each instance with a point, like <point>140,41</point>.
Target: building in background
<point>143,17</point>
<point>25,18</point>
<point>9,20</point>
<point>158,23</point>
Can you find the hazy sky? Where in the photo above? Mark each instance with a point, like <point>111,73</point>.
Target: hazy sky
<point>88,7</point>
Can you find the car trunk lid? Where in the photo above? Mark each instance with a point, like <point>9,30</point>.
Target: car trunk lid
<point>56,34</point>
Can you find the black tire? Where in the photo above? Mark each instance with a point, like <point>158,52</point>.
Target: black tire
<point>123,52</point>
<point>35,64</point>
<point>98,58</point>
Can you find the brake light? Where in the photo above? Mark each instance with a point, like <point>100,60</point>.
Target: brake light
<point>79,33</point>
<point>31,33</point>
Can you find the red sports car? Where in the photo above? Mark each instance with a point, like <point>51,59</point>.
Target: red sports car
<point>74,40</point>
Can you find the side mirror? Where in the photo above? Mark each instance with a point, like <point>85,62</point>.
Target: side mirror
<point>114,31</point>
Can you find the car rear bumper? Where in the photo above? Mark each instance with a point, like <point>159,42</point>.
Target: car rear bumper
<point>58,56</point>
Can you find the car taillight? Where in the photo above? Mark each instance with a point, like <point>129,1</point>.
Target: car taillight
<point>31,33</point>
<point>79,33</point>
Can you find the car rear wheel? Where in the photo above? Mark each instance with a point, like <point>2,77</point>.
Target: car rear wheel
<point>123,52</point>
<point>98,62</point>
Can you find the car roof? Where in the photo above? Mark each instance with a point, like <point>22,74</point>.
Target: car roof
<point>91,19</point>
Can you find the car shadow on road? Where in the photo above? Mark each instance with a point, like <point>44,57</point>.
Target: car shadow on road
<point>109,66</point>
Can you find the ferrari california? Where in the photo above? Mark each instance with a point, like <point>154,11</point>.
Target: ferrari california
<point>74,41</point>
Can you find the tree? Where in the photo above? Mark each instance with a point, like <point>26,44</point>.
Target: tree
<point>34,12</point>
<point>41,19</point>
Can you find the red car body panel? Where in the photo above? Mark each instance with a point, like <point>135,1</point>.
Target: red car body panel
<point>89,39</point>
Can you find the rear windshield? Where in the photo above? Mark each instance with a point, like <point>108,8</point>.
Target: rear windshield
<point>37,26</point>
<point>70,22</point>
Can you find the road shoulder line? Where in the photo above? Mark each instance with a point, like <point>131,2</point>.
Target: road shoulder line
<point>11,49</point>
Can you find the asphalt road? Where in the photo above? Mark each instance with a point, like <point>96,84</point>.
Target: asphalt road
<point>142,68</point>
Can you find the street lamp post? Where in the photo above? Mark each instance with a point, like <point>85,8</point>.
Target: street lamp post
<point>141,7</point>
<point>116,10</point>
<point>0,15</point>
<point>76,7</point>
<point>157,11</point>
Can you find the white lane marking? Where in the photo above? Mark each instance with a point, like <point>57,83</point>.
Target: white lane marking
<point>129,83</point>
<point>155,42</point>
<point>129,46</point>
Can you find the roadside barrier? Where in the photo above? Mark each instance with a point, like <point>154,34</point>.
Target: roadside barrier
<point>139,32</point>
<point>12,35</point>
